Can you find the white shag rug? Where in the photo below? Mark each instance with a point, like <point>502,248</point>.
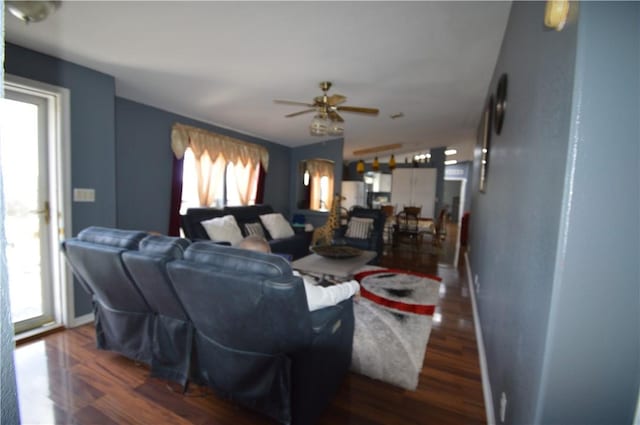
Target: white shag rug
<point>393,317</point>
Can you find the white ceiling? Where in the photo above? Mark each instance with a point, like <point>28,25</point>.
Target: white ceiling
<point>225,62</point>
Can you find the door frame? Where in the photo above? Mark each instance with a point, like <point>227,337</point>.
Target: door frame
<point>59,154</point>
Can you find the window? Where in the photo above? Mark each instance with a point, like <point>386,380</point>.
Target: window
<point>321,187</point>
<point>229,184</point>
<point>213,170</point>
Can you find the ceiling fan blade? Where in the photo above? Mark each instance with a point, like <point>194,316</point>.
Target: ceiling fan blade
<point>333,116</point>
<point>358,109</point>
<point>336,99</point>
<point>291,102</point>
<point>300,112</point>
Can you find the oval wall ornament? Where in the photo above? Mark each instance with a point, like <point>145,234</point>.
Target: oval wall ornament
<point>501,103</point>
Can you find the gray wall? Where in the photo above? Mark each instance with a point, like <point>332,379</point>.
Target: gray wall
<point>144,165</point>
<point>331,150</point>
<point>558,305</point>
<point>93,159</point>
<point>592,369</point>
<point>9,413</point>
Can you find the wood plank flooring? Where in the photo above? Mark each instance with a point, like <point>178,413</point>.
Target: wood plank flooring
<point>64,379</point>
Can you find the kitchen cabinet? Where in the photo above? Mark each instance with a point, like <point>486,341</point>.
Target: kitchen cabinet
<point>415,187</point>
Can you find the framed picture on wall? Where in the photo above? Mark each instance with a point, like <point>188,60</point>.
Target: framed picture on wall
<point>486,144</point>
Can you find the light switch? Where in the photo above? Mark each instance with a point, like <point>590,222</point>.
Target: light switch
<point>84,195</point>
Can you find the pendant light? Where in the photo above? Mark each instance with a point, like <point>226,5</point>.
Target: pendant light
<point>375,166</point>
<point>392,162</point>
<point>360,167</point>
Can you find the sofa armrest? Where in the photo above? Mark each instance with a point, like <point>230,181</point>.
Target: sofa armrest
<point>318,371</point>
<point>329,319</point>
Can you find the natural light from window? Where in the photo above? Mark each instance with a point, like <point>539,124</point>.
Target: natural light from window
<point>236,179</point>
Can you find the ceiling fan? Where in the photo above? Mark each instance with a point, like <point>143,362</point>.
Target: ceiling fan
<point>327,120</point>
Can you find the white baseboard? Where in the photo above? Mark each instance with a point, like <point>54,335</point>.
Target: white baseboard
<point>486,384</point>
<point>82,320</point>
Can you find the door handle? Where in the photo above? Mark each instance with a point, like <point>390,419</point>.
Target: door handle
<point>46,211</point>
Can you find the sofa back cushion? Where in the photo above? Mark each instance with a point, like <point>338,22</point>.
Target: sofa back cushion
<point>241,299</point>
<point>148,269</point>
<point>191,221</point>
<point>95,257</point>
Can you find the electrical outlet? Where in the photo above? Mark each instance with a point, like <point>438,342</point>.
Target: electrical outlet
<point>503,407</point>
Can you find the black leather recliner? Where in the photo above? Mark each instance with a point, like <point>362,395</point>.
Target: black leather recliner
<point>123,319</point>
<point>375,241</point>
<point>255,340</point>
<point>172,332</point>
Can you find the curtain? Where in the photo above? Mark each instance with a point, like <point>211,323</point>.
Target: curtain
<point>210,175</point>
<point>233,150</point>
<point>319,168</point>
<point>176,197</point>
<point>211,151</point>
<point>246,177</point>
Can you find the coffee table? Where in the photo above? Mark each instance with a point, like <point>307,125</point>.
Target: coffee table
<point>338,268</point>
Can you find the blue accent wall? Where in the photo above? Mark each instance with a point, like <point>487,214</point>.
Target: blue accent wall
<point>93,158</point>
<point>144,165</point>
<point>331,150</point>
<point>554,240</point>
<point>592,356</point>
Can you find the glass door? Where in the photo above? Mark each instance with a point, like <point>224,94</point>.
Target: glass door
<point>24,160</point>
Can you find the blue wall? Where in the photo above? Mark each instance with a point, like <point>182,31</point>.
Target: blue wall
<point>331,150</point>
<point>122,150</point>
<point>93,158</point>
<point>558,285</point>
<point>144,165</point>
<point>592,362</point>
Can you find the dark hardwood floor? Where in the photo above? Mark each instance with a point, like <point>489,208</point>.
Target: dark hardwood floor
<point>63,379</point>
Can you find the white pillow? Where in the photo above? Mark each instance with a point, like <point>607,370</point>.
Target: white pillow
<point>223,229</point>
<point>359,228</point>
<point>277,226</point>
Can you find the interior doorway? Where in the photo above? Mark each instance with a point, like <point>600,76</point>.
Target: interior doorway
<point>454,198</point>
<point>33,158</point>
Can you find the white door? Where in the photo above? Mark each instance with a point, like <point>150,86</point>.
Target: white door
<point>24,158</point>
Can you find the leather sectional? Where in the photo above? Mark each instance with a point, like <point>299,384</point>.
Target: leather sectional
<point>236,321</point>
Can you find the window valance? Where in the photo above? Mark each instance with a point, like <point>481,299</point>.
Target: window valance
<point>320,167</point>
<point>201,141</point>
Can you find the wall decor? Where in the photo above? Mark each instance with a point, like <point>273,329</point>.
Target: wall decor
<point>486,144</point>
<point>501,102</point>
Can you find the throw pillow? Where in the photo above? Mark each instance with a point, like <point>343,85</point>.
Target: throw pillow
<point>359,228</point>
<point>223,229</point>
<point>254,229</point>
<point>277,226</point>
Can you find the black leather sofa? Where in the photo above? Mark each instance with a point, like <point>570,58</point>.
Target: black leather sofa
<point>234,320</point>
<point>296,246</point>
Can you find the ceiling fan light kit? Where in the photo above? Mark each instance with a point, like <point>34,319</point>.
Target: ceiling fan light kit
<point>327,121</point>
<point>31,11</point>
